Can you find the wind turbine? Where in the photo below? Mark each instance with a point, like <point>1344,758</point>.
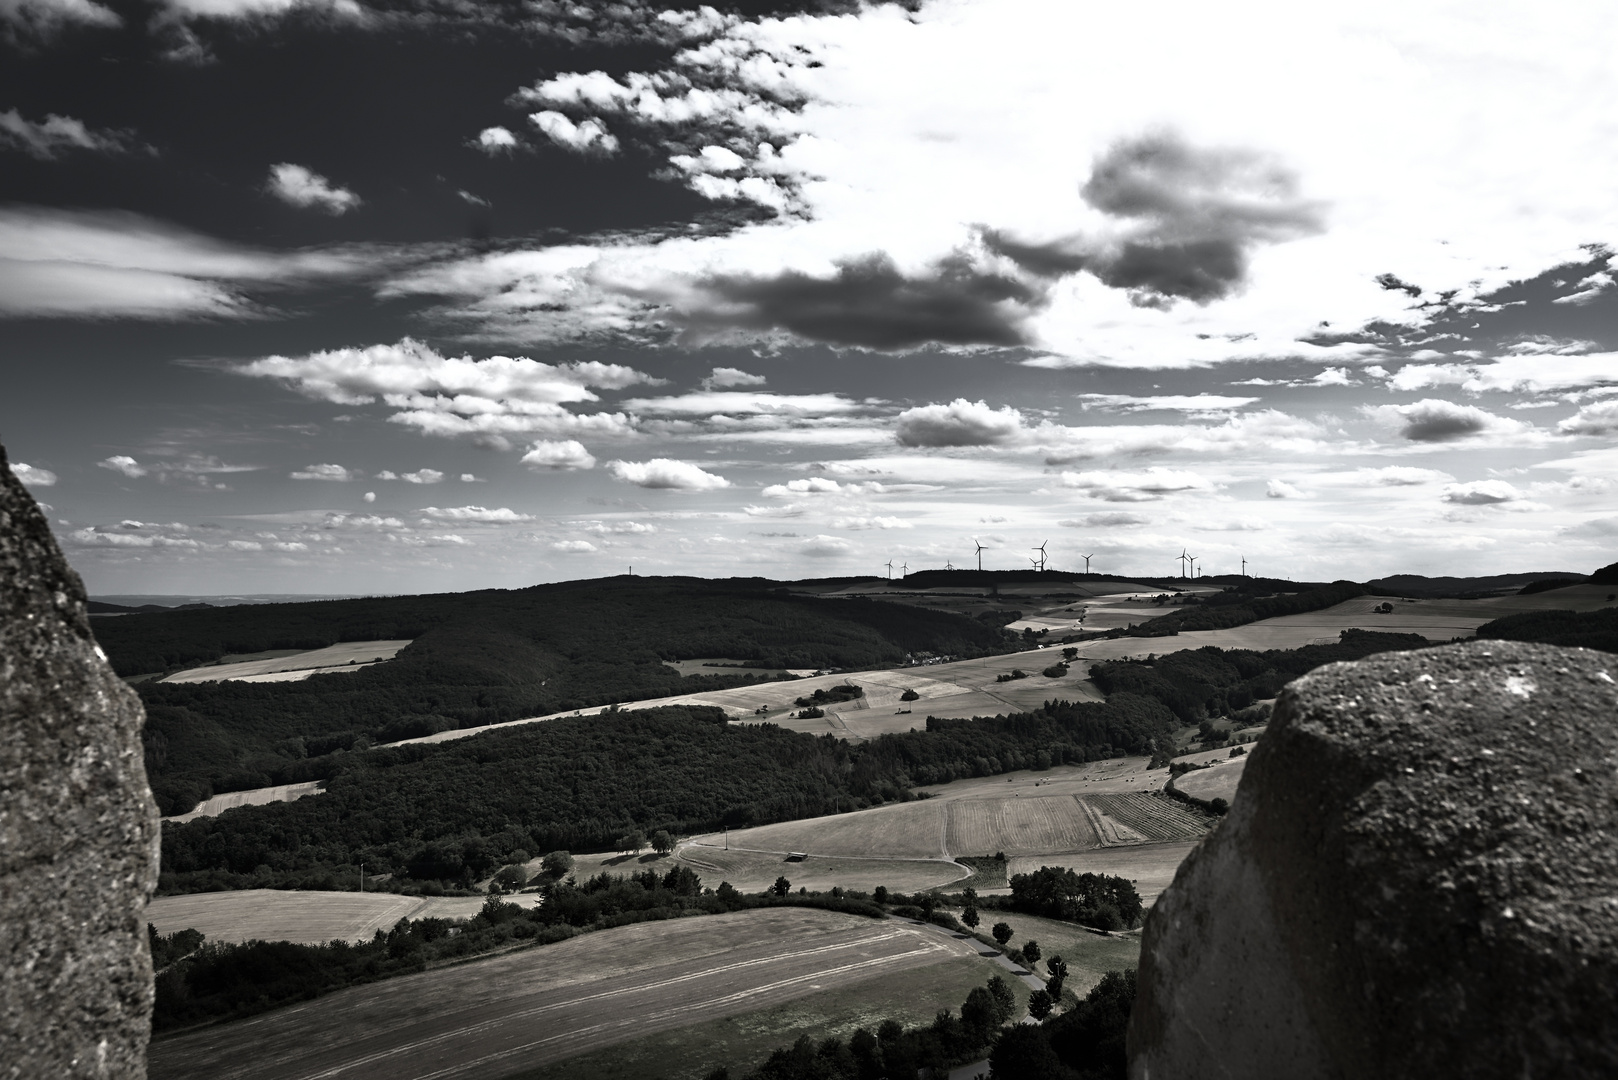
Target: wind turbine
<point>1087,559</point>
<point>1182,561</point>
<point>904,569</point>
<point>1244,566</point>
<point>979,554</point>
<point>889,565</point>
<point>1192,559</point>
<point>1040,563</point>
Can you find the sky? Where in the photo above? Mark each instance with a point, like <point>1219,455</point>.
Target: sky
<point>336,296</point>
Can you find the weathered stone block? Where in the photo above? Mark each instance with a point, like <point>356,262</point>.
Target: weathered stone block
<point>1418,878</point>
<point>78,827</point>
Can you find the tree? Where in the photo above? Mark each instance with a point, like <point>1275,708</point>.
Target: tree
<point>909,695</point>
<point>662,842</point>
<point>781,887</point>
<point>1005,998</point>
<point>970,917</point>
<point>632,841</point>
<point>557,864</point>
<point>511,877</point>
<point>881,894</point>
<point>1002,933</point>
<point>1040,1004</point>
<point>1025,1052</point>
<point>1030,951</point>
<point>980,1014</point>
<point>969,897</point>
<point>1058,969</point>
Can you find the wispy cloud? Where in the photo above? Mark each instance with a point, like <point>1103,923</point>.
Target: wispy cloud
<point>335,473</point>
<point>298,186</point>
<point>50,138</point>
<point>31,476</point>
<point>22,20</point>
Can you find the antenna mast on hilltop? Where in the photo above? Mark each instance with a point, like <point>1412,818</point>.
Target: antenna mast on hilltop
<point>979,554</point>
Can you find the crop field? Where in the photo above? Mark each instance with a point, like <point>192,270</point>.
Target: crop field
<point>308,918</point>
<point>1145,817</point>
<point>1019,825</point>
<point>755,871</point>
<point>345,656</point>
<point>741,1042</point>
<point>255,797</point>
<point>913,830</point>
<point>1150,866</point>
<point>1218,782</point>
<point>523,1010</point>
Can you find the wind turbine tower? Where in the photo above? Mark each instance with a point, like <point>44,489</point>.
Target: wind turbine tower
<point>1182,561</point>
<point>1244,566</point>
<point>980,555</point>
<point>1039,563</point>
<point>1087,559</point>
<point>904,569</point>
<point>889,565</point>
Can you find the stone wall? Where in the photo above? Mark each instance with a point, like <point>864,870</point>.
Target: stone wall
<point>1418,878</point>
<point>78,827</point>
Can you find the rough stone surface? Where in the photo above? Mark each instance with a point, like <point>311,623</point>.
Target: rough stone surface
<point>1418,877</point>
<point>78,827</point>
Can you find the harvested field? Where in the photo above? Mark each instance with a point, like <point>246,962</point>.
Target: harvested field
<point>1150,866</point>
<point>752,871</point>
<point>256,797</point>
<point>1218,782</point>
<point>1018,826</point>
<point>1141,817</point>
<point>307,918</point>
<point>517,1012</point>
<point>742,1042</point>
<point>345,656</point>
<point>913,830</point>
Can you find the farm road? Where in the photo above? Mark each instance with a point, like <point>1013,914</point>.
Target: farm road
<point>489,1018</point>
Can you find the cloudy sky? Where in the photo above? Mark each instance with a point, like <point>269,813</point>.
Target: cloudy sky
<point>343,296</point>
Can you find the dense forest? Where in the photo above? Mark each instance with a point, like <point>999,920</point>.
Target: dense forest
<point>480,658</point>
<point>447,814</point>
<point>1588,629</point>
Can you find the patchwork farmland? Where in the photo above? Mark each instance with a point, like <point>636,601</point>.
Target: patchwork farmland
<point>308,918</point>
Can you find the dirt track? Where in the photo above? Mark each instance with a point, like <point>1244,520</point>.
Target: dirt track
<point>494,1017</point>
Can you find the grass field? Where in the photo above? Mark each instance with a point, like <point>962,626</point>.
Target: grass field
<point>255,797</point>
<point>285,667</point>
<point>1218,782</point>
<point>308,918</point>
<point>741,1042</point>
<point>524,1010</point>
<point>752,871</point>
<point>913,830</point>
<point>1089,955</point>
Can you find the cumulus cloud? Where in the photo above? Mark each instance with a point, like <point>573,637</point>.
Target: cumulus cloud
<point>868,301</point>
<point>422,476</point>
<point>1433,420</point>
<point>48,138</point>
<point>1108,520</point>
<point>501,516</point>
<point>123,463</point>
<point>31,476</point>
<point>336,473</point>
<point>1482,493</point>
<point>564,454</point>
<point>588,136</point>
<point>576,547</point>
<point>825,547</point>
<point>106,264</point>
<point>43,19</point>
<point>1600,418</point>
<point>1280,489</point>
<point>495,140</point>
<point>1193,214</point>
<point>722,377</point>
<point>1145,486</point>
<point>666,473</point>
<point>446,395</point>
<point>960,423</point>
<point>855,524</point>
<point>298,186</point>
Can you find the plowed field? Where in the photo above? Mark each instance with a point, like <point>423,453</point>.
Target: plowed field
<point>1018,825</point>
<point>1146,817</point>
<point>494,1017</point>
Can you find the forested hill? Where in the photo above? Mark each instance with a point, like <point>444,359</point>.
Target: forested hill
<point>481,658</point>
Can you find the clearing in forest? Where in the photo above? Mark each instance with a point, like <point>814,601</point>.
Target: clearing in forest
<point>494,1017</point>
<point>345,656</point>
